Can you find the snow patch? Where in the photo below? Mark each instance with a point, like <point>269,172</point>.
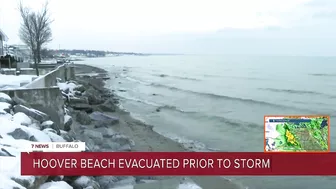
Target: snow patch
<point>188,186</point>
<point>13,81</point>
<point>67,118</point>
<point>83,181</point>
<point>22,119</point>
<point>5,96</point>
<point>46,123</point>
<point>11,169</point>
<point>56,185</point>
<point>6,182</point>
<point>67,86</point>
<point>4,105</point>
<point>54,137</point>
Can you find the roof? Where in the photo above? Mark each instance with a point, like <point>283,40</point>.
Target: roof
<point>3,35</point>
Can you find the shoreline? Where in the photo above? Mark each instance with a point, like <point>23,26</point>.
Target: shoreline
<point>144,136</point>
<point>91,115</point>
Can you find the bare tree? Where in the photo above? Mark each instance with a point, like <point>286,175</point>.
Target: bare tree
<point>35,30</point>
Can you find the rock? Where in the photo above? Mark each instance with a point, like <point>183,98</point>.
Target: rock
<point>74,83</point>
<point>100,124</point>
<point>122,139</point>
<point>22,119</point>
<point>80,88</point>
<point>89,143</point>
<point>4,152</point>
<point>54,137</point>
<point>85,182</point>
<point>51,125</point>
<point>69,110</point>
<point>23,182</point>
<point>67,136</point>
<point>39,180</point>
<point>78,100</point>
<point>126,181</point>
<point>106,132</point>
<point>83,118</point>
<point>103,119</point>
<point>94,135</point>
<point>67,122</point>
<point>110,146</point>
<point>17,100</point>
<point>21,134</point>
<point>55,178</point>
<point>5,98</point>
<point>93,96</point>
<point>77,93</point>
<point>54,185</point>
<point>37,115</point>
<point>50,130</point>
<point>82,107</point>
<point>125,148</point>
<point>66,111</point>
<point>66,91</point>
<point>139,178</point>
<point>35,126</point>
<point>107,106</point>
<point>106,182</point>
<point>5,107</point>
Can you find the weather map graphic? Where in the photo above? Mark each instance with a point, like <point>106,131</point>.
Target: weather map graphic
<point>297,134</point>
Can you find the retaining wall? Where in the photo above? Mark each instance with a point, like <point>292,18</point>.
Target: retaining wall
<point>32,71</point>
<point>44,95</point>
<point>64,72</point>
<point>48,100</point>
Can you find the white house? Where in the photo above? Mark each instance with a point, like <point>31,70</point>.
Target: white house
<point>3,38</point>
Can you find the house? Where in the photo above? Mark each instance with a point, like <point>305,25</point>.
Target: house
<point>3,38</point>
<point>21,53</point>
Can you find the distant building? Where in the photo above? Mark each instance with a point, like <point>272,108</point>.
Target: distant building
<point>21,53</point>
<point>3,38</point>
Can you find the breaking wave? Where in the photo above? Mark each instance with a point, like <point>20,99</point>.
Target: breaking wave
<point>323,75</point>
<point>177,77</point>
<point>293,91</point>
<point>217,96</point>
<point>199,115</point>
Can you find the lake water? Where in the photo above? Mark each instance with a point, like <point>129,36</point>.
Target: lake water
<point>219,102</point>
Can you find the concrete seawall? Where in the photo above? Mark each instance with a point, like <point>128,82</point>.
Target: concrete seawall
<point>43,93</point>
<point>48,100</point>
<point>64,72</point>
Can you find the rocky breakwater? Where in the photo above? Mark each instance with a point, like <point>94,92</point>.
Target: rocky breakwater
<point>96,122</point>
<point>19,126</point>
<point>85,100</point>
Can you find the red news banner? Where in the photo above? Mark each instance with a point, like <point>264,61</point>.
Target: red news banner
<point>176,163</point>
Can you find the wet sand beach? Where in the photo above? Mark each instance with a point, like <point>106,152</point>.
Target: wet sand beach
<point>145,139</point>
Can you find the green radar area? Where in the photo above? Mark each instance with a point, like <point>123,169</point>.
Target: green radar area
<point>297,134</point>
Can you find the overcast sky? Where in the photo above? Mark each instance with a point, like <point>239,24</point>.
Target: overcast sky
<point>294,27</point>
